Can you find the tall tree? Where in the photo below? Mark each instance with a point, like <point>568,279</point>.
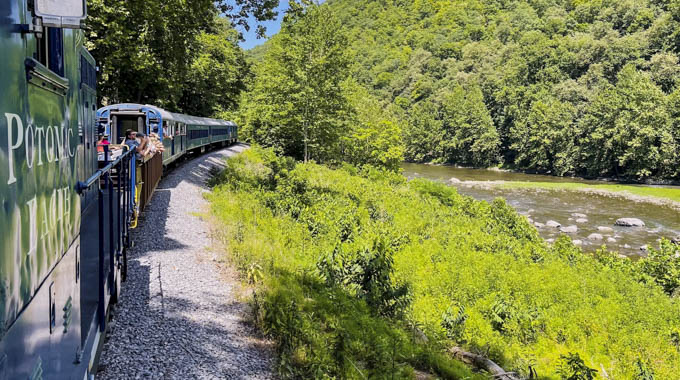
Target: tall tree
<point>545,140</point>
<point>374,134</point>
<point>297,104</point>
<point>470,137</point>
<point>628,129</point>
<point>215,78</point>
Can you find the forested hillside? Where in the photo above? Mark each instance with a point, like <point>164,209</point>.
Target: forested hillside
<point>561,86</point>
<point>568,87</point>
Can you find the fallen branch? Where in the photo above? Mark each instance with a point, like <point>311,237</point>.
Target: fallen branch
<point>481,362</point>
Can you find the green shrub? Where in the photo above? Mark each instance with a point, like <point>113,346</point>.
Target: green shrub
<point>573,368</point>
<point>663,267</point>
<point>361,274</point>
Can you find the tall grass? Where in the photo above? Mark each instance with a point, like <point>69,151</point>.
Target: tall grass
<point>361,274</point>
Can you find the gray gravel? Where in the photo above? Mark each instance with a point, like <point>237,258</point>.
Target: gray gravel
<point>178,317</point>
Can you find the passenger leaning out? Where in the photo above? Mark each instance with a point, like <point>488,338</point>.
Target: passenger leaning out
<point>134,144</point>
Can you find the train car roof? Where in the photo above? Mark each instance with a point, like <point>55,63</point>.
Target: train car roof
<point>167,115</point>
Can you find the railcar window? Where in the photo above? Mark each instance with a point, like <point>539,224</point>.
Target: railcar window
<point>198,134</point>
<point>50,50</point>
<point>88,74</point>
<point>56,46</point>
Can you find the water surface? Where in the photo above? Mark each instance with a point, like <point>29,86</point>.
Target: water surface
<point>561,205</point>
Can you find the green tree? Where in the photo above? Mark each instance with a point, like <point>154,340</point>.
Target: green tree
<point>375,136</point>
<point>216,76</point>
<point>628,129</point>
<point>146,48</point>
<point>470,137</point>
<point>545,141</point>
<point>297,103</point>
<point>423,133</point>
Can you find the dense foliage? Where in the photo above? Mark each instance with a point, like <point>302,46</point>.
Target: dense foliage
<point>586,87</point>
<point>176,54</point>
<point>304,103</point>
<point>354,270</point>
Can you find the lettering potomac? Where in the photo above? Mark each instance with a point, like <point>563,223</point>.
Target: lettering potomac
<point>49,144</point>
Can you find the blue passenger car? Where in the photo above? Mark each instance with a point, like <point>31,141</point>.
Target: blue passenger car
<point>179,133</point>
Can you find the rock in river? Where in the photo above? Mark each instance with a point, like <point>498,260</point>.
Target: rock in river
<point>553,224</point>
<point>605,229</point>
<point>454,180</point>
<point>629,222</point>
<point>595,237</point>
<point>676,240</point>
<point>577,242</point>
<point>569,229</point>
<point>611,240</point>
<point>579,215</point>
<point>539,225</point>
<point>581,220</point>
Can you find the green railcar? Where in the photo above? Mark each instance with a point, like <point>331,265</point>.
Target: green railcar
<point>47,147</point>
<point>63,220</point>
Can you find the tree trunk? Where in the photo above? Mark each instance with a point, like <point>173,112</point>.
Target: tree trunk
<point>304,138</point>
<point>483,363</point>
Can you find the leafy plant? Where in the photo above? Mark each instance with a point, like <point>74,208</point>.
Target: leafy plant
<point>643,371</point>
<point>454,323</point>
<point>353,258</point>
<point>574,368</point>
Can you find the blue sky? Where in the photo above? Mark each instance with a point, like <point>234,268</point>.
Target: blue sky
<point>273,27</point>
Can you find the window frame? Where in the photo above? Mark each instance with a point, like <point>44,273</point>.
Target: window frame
<point>50,50</point>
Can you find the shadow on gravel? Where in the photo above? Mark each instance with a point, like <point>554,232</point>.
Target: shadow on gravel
<point>155,336</point>
<point>152,231</point>
<point>158,328</point>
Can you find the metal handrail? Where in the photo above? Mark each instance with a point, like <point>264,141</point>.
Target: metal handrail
<point>82,186</point>
<point>120,198</point>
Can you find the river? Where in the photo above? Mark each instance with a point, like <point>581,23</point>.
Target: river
<point>599,211</point>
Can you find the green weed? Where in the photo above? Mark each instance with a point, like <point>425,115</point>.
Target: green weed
<point>360,274</point>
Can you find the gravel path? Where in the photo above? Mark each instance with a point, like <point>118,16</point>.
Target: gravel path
<point>178,317</point>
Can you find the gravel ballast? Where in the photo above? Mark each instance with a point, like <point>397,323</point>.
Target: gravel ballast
<point>178,317</point>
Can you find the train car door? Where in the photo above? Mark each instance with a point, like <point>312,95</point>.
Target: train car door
<point>172,131</point>
<point>87,125</point>
<point>182,137</point>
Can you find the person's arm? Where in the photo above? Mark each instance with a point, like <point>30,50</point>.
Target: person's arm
<point>140,147</point>
<point>145,146</point>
